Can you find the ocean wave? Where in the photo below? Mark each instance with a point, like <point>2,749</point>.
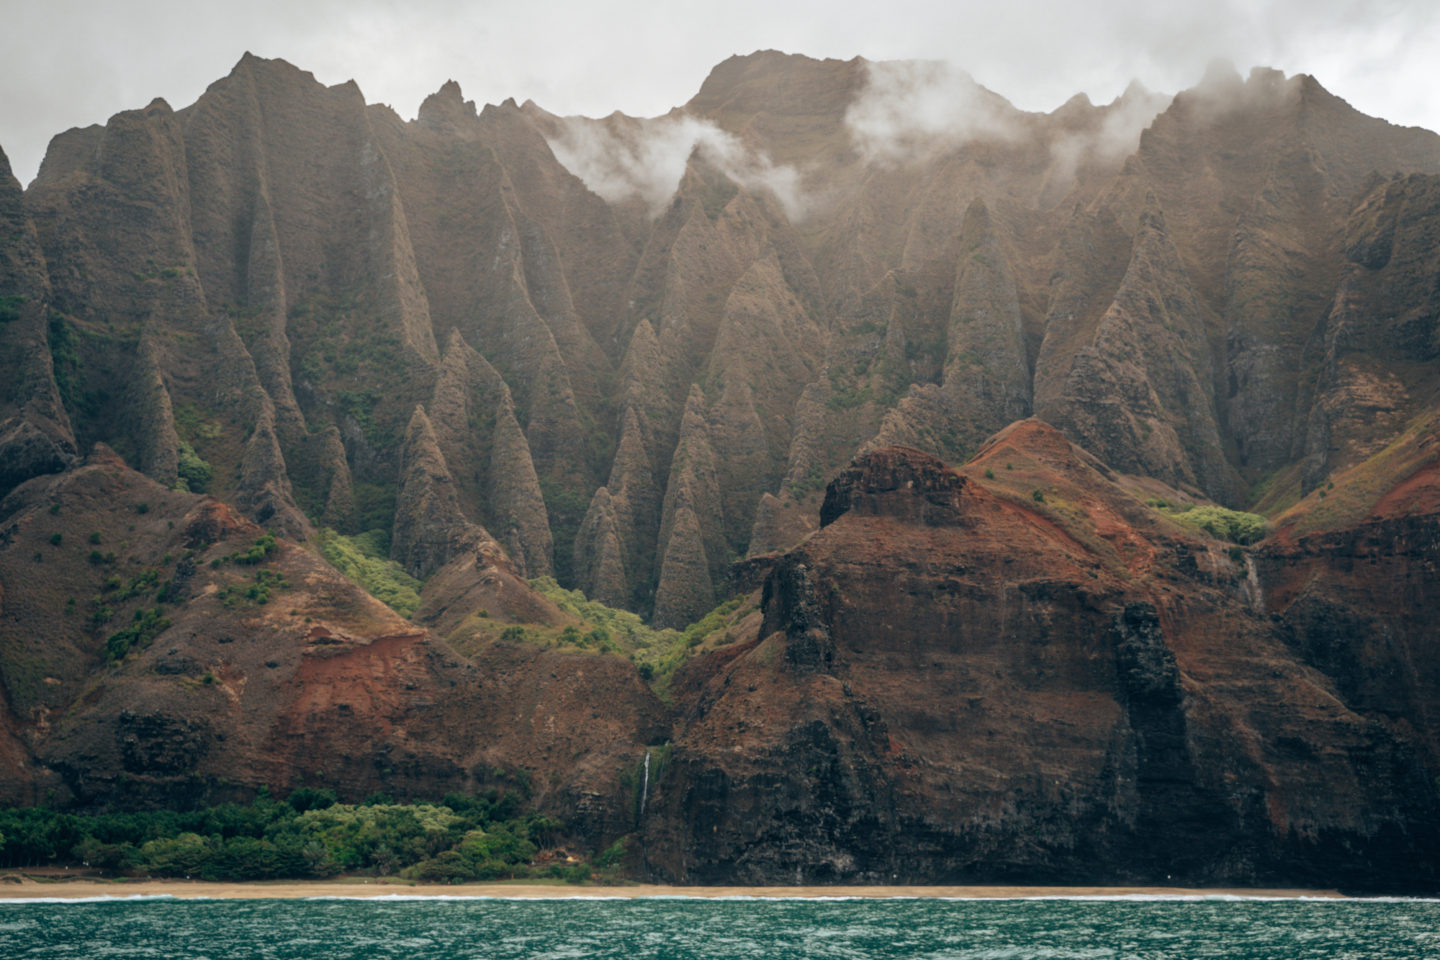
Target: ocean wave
<point>397,897</point>
<point>105,898</point>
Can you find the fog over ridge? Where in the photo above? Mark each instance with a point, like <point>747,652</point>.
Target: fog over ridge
<point>67,63</point>
<point>906,111</point>
<point>623,157</point>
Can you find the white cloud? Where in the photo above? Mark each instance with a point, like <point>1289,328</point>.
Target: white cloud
<point>622,157</point>
<point>1116,137</point>
<point>911,109</point>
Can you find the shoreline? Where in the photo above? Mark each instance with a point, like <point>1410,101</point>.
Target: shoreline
<point>90,889</point>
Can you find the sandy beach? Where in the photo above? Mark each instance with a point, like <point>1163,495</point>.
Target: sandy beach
<point>29,888</point>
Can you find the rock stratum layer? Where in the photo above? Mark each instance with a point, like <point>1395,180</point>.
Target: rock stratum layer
<point>666,361</point>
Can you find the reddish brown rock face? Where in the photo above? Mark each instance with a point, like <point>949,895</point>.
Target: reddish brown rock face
<point>998,695</point>
<point>898,483</point>
<point>309,682</point>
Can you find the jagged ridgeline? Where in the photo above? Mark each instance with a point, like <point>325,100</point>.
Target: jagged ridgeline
<point>1082,471</point>
<point>627,353</point>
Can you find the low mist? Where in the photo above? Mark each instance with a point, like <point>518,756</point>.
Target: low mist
<point>1115,138</point>
<point>621,158</point>
<point>914,109</point>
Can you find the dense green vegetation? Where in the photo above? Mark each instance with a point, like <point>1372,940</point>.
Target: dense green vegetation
<point>307,835</point>
<point>655,652</point>
<point>363,559</point>
<point>1233,525</point>
<point>565,509</point>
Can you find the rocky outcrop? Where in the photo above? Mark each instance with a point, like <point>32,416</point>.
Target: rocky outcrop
<point>310,682</point>
<point>485,449</point>
<point>35,433</point>
<point>430,528</point>
<point>1380,331</point>
<point>338,486</point>
<point>1139,393</point>
<point>515,498</point>
<point>599,553</point>
<point>895,482</point>
<point>692,534</point>
<point>149,403</point>
<point>1148,294</point>
<point>1025,692</point>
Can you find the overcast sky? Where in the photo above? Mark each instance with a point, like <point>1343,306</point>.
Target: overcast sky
<point>66,63</point>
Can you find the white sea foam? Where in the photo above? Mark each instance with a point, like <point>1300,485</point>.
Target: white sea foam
<point>393,897</point>
<point>760,898</point>
<point>131,898</point>
<point>746,898</point>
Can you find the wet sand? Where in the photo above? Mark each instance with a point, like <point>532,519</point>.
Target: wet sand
<point>279,890</point>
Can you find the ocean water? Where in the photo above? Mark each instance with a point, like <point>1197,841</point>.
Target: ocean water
<point>641,929</point>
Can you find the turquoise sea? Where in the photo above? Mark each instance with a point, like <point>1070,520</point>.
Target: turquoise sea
<point>639,929</point>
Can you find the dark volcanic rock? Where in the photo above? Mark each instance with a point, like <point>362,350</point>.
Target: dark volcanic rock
<point>895,482</point>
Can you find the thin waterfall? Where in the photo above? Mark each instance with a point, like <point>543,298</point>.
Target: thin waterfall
<point>645,784</point>
<point>1252,591</point>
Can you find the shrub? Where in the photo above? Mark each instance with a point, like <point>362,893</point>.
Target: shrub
<point>309,798</point>
<point>10,307</point>
<point>612,855</point>
<point>257,592</point>
<point>258,551</point>
<point>147,625</point>
<point>194,473</point>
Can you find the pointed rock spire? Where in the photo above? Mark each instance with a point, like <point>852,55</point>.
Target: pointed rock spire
<point>429,528</point>
<point>692,529</point>
<point>264,489</point>
<point>515,496</point>
<point>985,366</point>
<point>35,432</point>
<point>686,591</point>
<point>154,421</point>
<point>599,554</point>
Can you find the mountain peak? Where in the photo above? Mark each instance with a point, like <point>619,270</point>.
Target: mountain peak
<point>446,107</point>
<point>775,82</point>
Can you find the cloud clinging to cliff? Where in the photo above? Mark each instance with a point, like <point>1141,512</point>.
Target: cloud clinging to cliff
<point>627,158</point>
<point>73,62</point>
